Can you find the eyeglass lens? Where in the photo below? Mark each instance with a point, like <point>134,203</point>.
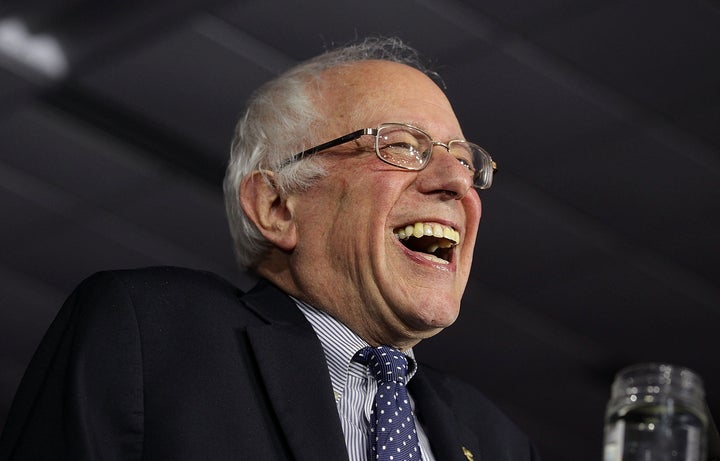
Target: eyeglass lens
<point>410,148</point>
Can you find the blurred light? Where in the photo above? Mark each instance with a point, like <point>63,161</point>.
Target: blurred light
<point>39,53</point>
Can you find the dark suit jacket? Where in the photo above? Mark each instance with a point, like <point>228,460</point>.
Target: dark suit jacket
<point>174,364</point>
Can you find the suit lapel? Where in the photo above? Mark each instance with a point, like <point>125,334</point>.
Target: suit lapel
<point>449,438</point>
<point>293,368</point>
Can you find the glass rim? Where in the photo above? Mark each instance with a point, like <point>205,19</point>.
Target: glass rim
<point>649,383</point>
<point>482,175</point>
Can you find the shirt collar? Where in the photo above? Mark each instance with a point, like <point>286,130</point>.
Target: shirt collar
<point>340,344</point>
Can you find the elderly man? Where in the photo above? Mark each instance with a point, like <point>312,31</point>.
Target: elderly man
<point>353,195</point>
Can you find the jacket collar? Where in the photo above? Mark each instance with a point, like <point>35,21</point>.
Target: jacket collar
<point>295,376</point>
<point>291,359</point>
<point>449,439</point>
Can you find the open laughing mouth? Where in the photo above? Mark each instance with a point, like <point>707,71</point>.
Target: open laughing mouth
<point>432,241</point>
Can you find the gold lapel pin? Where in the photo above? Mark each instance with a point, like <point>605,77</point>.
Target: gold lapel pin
<point>468,454</point>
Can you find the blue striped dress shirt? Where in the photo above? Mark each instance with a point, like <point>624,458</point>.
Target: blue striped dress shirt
<point>353,385</point>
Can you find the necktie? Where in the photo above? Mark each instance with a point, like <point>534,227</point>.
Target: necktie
<point>392,425</point>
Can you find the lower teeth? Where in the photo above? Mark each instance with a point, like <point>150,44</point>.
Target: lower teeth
<point>433,258</point>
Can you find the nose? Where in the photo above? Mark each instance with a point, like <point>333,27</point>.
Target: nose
<point>444,174</point>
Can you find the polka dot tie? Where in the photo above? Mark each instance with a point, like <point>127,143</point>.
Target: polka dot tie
<point>392,426</point>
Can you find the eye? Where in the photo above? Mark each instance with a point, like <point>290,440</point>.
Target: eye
<point>401,143</point>
<point>464,154</point>
<point>410,148</point>
<point>465,158</point>
<point>466,163</point>
<point>403,146</point>
<point>399,138</point>
<point>403,154</point>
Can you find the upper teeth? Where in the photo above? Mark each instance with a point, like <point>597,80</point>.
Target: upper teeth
<point>419,229</point>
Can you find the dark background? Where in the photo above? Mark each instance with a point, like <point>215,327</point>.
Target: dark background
<point>599,242</point>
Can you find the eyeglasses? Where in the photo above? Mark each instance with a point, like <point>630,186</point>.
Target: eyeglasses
<point>410,148</point>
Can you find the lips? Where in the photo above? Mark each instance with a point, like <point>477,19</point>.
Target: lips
<point>431,240</point>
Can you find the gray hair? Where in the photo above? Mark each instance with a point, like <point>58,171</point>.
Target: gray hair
<point>278,122</point>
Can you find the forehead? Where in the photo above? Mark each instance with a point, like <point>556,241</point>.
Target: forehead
<point>367,93</point>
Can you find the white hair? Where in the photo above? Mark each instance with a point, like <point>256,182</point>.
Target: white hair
<point>278,123</point>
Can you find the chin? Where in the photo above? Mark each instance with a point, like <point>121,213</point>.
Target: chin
<point>437,316</point>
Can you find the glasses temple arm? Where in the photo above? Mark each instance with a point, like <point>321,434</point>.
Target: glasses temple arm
<point>335,142</point>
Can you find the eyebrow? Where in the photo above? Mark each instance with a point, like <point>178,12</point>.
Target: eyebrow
<point>455,137</point>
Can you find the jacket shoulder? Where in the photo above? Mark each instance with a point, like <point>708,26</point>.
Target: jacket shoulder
<point>163,278</point>
<point>163,300</point>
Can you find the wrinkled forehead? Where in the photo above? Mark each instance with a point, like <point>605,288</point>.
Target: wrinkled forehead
<point>367,93</point>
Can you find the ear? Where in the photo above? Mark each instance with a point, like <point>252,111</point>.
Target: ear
<point>268,209</point>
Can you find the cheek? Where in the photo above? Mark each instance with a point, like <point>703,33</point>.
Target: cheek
<point>373,198</point>
<point>473,210</point>
<point>351,207</point>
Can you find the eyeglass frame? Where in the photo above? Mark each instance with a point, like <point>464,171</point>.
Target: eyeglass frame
<point>375,131</point>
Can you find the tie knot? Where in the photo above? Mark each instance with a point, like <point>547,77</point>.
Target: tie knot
<point>386,364</point>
